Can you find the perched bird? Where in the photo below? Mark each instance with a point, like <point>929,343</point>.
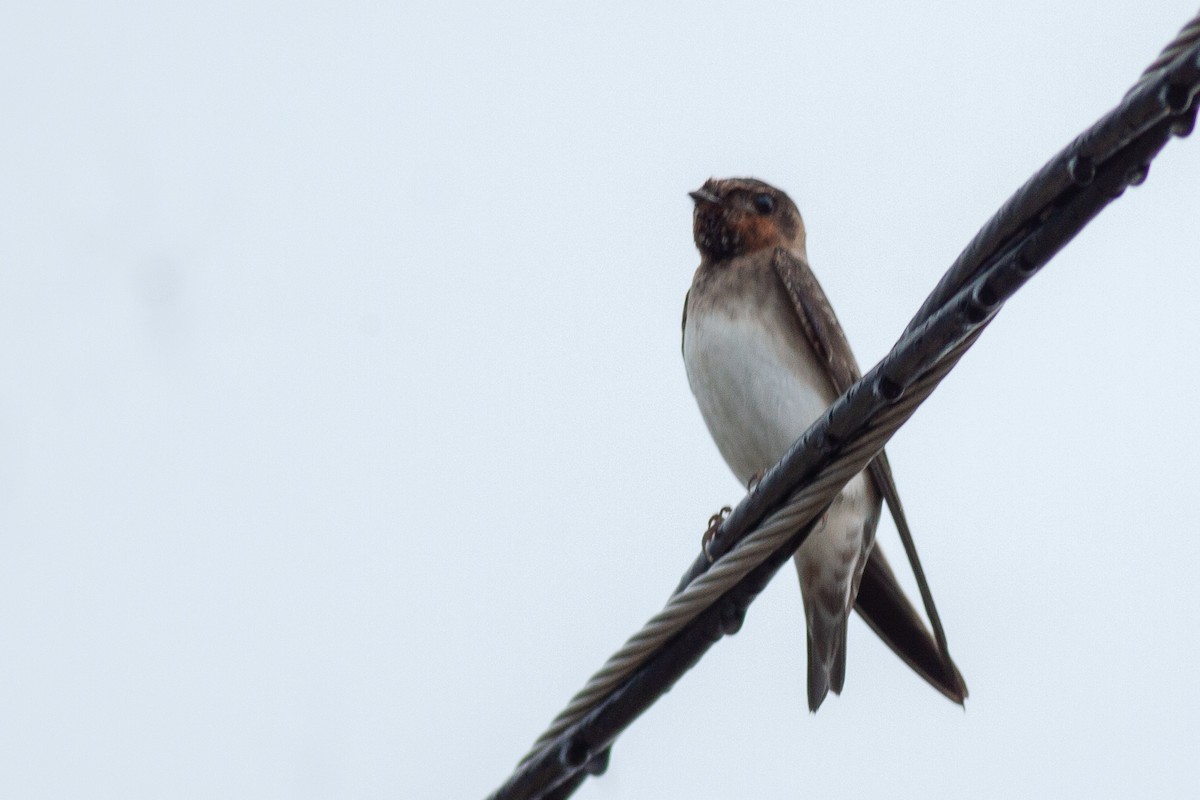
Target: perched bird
<point>765,357</point>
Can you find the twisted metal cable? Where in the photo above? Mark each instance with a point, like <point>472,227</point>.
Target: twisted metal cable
<point>801,509</point>
<point>1016,242</point>
<point>1188,35</point>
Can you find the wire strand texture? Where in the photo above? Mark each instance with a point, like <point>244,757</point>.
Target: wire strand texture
<point>772,521</point>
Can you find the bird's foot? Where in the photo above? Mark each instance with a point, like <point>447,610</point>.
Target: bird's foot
<point>714,522</point>
<point>752,484</point>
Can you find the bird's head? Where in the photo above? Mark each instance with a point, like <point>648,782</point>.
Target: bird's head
<point>737,216</point>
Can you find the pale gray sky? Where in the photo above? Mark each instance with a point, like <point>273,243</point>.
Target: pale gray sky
<point>344,431</point>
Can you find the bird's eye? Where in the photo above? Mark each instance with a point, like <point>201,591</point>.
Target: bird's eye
<point>764,203</point>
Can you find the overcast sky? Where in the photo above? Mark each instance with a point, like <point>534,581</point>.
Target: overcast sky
<point>344,431</point>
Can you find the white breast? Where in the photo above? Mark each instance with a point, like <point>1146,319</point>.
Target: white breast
<point>757,383</point>
<point>759,387</point>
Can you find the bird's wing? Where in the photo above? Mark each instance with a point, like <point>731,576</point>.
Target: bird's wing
<point>882,603</point>
<point>817,320</point>
<point>683,325</point>
<point>885,608</point>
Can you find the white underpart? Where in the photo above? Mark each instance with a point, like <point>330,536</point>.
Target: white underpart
<point>759,388</point>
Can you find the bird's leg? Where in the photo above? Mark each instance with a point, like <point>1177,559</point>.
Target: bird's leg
<point>714,522</point>
<point>716,519</point>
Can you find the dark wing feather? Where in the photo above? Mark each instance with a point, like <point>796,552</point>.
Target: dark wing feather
<point>820,324</point>
<point>683,325</point>
<point>882,604</point>
<point>884,607</point>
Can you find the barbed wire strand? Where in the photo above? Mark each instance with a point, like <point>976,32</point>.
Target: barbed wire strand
<point>865,417</point>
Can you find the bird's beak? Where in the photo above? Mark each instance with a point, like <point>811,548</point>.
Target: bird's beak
<point>704,196</point>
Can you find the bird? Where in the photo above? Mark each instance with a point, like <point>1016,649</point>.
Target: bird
<point>765,356</point>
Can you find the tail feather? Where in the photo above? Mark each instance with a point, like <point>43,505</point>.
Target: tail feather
<point>837,671</point>
<point>882,604</point>
<point>826,665</point>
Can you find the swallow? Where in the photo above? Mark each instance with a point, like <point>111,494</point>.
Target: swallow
<point>765,356</point>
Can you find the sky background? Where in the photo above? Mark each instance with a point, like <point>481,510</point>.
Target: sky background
<point>344,431</point>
